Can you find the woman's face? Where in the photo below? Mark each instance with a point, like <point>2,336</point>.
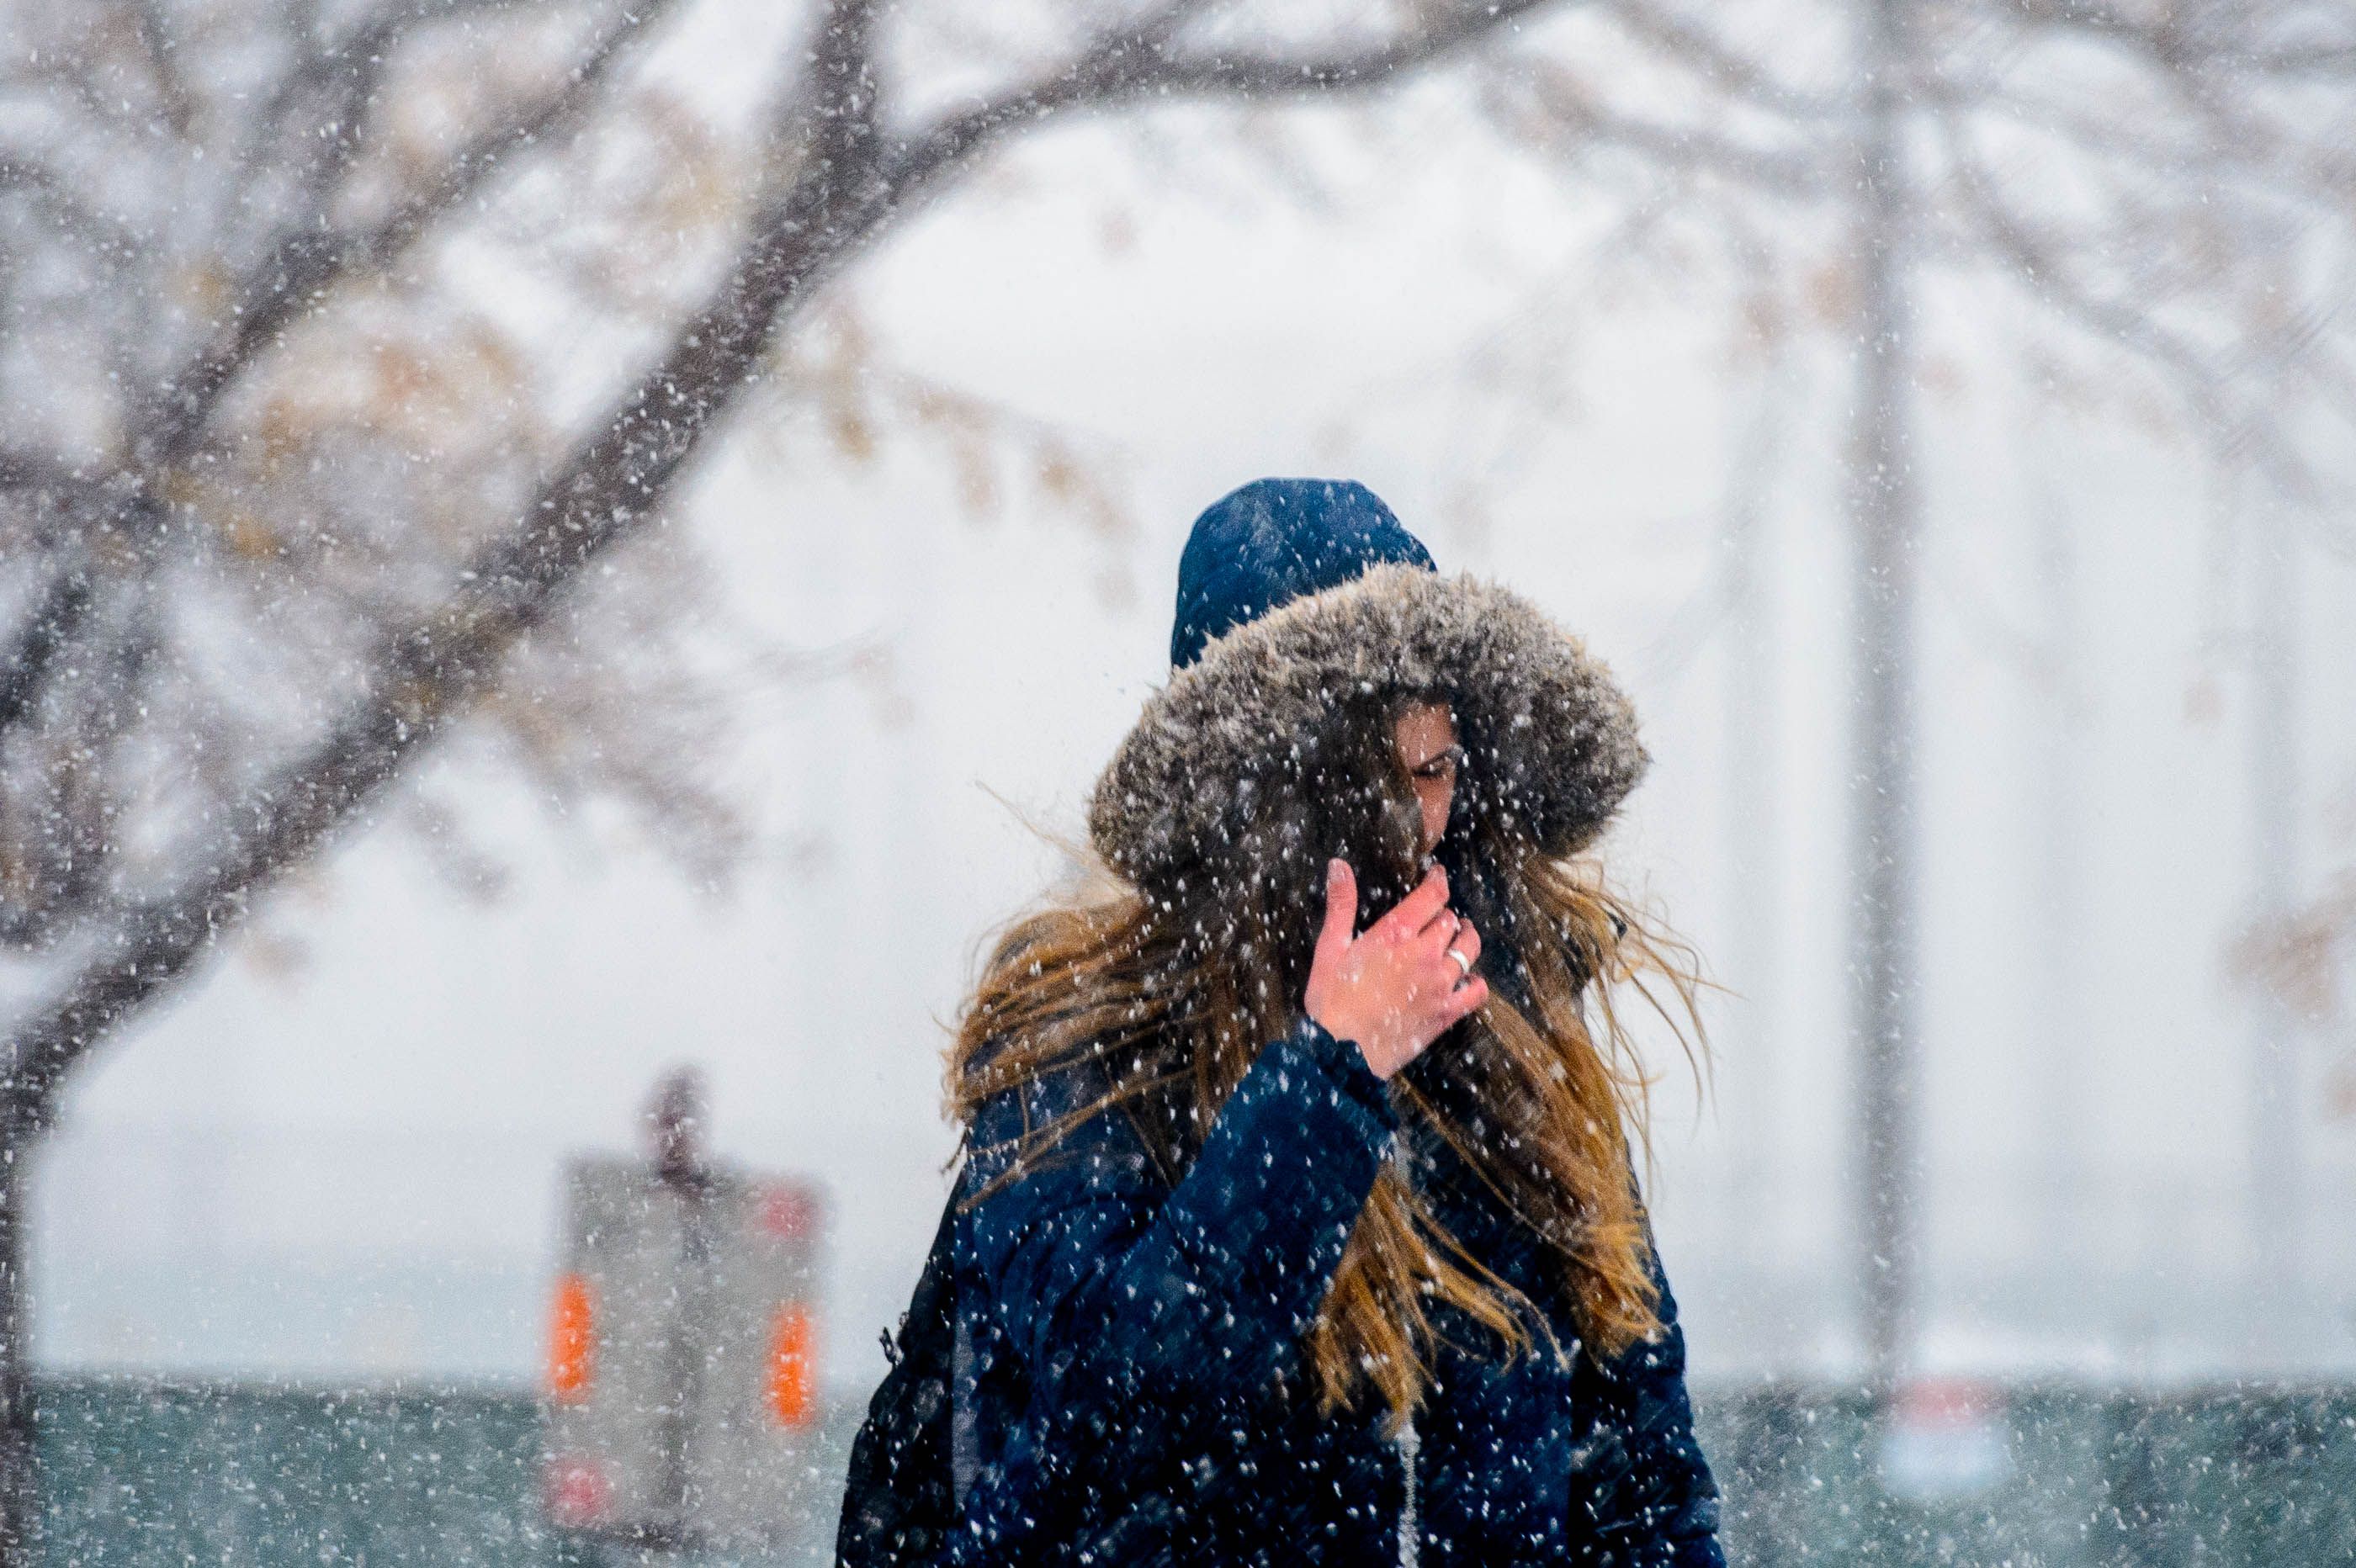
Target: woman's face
<point>1425,736</point>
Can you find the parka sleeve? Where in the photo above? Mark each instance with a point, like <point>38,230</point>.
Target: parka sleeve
<point>1116,1289</point>
<point>1659,1502</point>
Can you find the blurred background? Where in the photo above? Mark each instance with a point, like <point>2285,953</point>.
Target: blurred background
<point>546,541</point>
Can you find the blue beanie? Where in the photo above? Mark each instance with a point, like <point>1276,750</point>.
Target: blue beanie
<point>1272,542</point>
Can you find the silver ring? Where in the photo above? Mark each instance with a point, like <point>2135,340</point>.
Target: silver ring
<point>1462,963</point>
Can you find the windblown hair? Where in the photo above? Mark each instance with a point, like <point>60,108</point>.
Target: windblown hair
<point>1163,983</point>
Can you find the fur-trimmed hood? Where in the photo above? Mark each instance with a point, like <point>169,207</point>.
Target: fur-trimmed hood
<point>1541,718</point>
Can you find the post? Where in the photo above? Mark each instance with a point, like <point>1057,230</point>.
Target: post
<point>2061,828</point>
<point>675,1133</point>
<point>2276,1226</point>
<point>1883,513</point>
<point>1753,826</point>
<point>20,1497</point>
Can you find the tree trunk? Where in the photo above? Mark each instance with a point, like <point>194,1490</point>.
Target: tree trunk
<point>20,1493</point>
<point>1883,508</point>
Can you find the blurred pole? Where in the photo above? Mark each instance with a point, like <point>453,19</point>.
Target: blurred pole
<point>19,1497</point>
<point>1884,513</point>
<point>1753,815</point>
<point>675,1126</point>
<point>2060,829</point>
<point>2277,1263</point>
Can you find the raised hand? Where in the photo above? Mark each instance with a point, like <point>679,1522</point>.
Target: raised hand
<point>1395,989</point>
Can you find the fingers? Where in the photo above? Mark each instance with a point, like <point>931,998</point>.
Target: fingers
<point>1444,1010</point>
<point>1440,975</point>
<point>1462,1000</point>
<point>1341,907</point>
<point>1416,910</point>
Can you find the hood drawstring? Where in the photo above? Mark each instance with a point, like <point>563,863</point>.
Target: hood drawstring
<point>1410,1533</point>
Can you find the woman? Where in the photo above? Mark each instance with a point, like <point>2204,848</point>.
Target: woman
<point>1297,1222</point>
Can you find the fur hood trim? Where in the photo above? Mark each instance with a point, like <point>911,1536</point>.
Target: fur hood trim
<point>1538,716</point>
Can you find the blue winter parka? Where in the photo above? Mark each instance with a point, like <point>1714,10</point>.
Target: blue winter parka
<point>1130,1386</point>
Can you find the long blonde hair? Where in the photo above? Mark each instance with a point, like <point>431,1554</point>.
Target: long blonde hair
<point>1166,996</point>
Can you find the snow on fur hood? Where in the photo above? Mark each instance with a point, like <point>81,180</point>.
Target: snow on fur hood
<point>1542,718</point>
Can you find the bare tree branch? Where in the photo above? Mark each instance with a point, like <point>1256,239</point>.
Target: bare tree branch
<point>1685,44</point>
<point>44,635</point>
<point>1241,75</point>
<point>160,54</point>
<point>854,186</point>
<point>2042,265</point>
<point>344,74</point>
<point>308,260</point>
<point>2204,39</point>
<point>22,470</point>
<point>1139,61</point>
<point>98,233</point>
<point>1571,118</point>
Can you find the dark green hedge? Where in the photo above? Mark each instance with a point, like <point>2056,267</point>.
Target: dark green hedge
<point>142,1476</point>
